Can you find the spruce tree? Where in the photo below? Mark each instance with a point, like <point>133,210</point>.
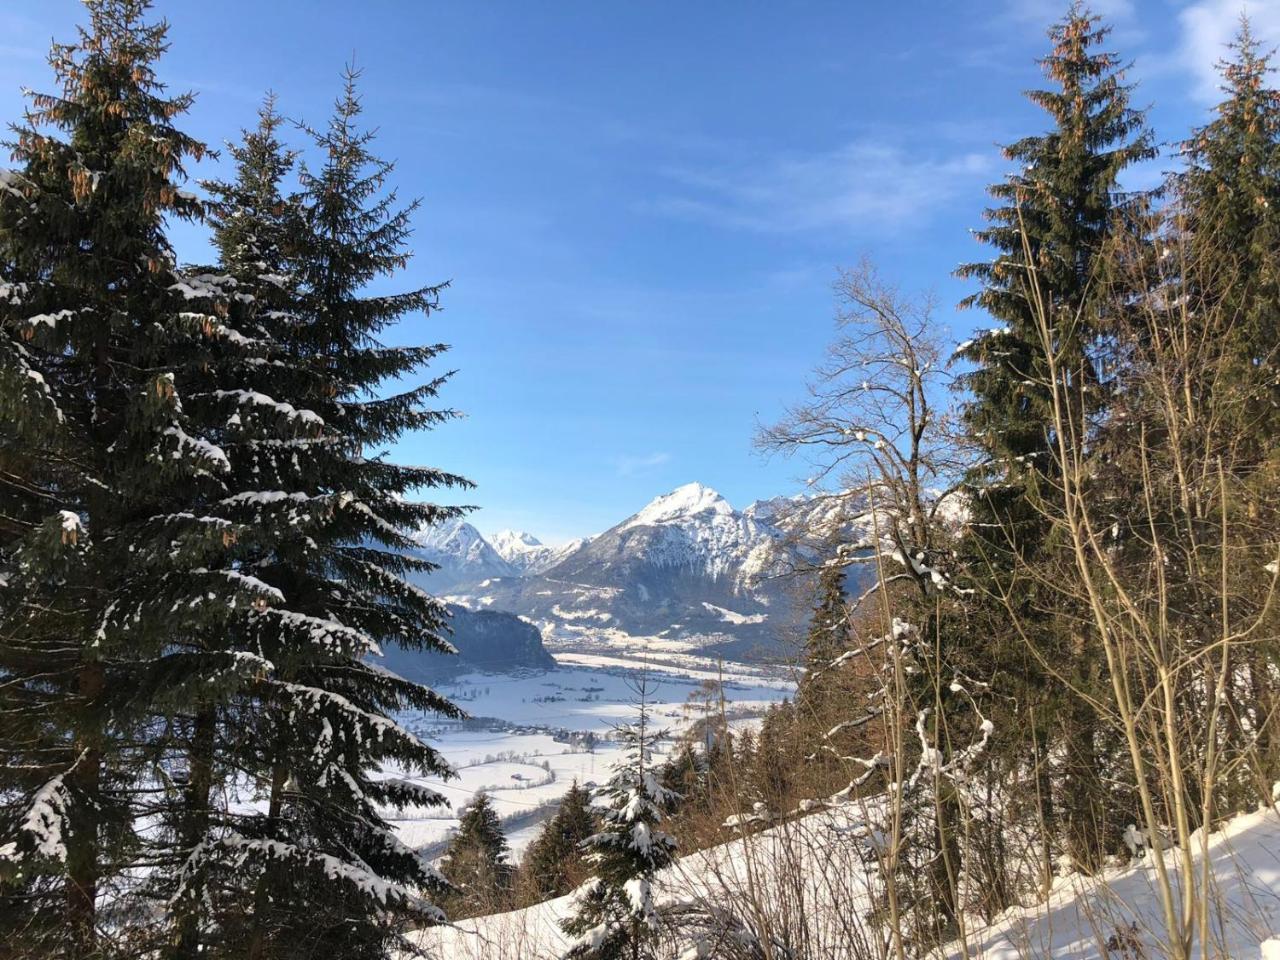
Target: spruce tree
<point>318,870</point>
<point>1060,204</point>
<point>1209,324</point>
<point>105,564</point>
<point>553,864</point>
<point>1230,204</point>
<point>1049,233</point>
<point>685,773</point>
<point>826,639</point>
<point>615,914</point>
<point>219,732</point>
<point>476,862</point>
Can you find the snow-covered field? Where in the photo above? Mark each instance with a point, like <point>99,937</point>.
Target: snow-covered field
<point>534,733</point>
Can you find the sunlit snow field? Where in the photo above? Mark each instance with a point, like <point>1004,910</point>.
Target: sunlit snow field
<point>541,730</point>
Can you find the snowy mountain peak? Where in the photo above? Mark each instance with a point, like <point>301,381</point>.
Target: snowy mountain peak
<point>461,552</point>
<point>682,503</point>
<point>457,533</point>
<point>508,542</point>
<point>527,554</point>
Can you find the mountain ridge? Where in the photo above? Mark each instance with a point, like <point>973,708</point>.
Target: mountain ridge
<point>686,572</point>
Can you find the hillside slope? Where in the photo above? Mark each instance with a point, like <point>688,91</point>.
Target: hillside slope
<point>489,640</point>
<point>814,868</point>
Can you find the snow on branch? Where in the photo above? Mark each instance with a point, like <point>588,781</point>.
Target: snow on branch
<point>44,824</point>
<point>329,635</point>
<point>252,398</point>
<point>365,723</point>
<point>385,892</point>
<point>199,449</point>
<point>14,184</point>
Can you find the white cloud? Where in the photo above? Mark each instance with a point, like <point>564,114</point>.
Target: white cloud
<point>631,465</point>
<point>1209,25</point>
<point>861,185</point>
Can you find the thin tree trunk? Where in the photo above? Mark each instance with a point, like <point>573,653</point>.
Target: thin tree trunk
<point>196,817</point>
<point>83,867</point>
<point>1044,791</point>
<point>946,866</point>
<point>258,938</point>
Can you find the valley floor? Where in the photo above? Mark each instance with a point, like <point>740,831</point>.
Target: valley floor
<point>533,733</point>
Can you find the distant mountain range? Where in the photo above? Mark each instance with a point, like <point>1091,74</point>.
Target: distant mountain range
<point>687,573</point>
<point>527,554</point>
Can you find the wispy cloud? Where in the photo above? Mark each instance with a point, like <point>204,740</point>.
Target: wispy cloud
<point>628,466</point>
<point>1209,25</point>
<point>863,185</point>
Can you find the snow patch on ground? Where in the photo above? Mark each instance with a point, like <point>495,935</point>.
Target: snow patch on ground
<point>728,616</point>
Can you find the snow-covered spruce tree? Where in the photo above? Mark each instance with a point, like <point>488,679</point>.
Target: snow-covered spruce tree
<point>320,871</point>
<point>476,862</point>
<point>213,748</point>
<point>1049,232</point>
<point>1061,204</point>
<point>616,917</point>
<point>104,562</point>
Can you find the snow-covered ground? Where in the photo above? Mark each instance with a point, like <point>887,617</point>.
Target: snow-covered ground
<point>812,872</point>
<point>535,732</point>
<point>1081,916</point>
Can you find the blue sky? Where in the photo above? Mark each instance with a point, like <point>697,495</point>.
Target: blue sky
<point>641,207</point>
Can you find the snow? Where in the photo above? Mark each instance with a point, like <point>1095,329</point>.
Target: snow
<point>728,616</point>
<point>328,635</point>
<point>259,588</point>
<point>690,500</point>
<point>369,883</point>
<point>196,288</point>
<point>529,555</point>
<point>69,521</point>
<point>548,728</point>
<point>1081,914</point>
<point>514,541</point>
<point>11,182</point>
<point>1075,923</point>
<point>699,530</point>
<point>49,319</point>
<point>459,548</point>
<point>202,449</point>
<point>43,822</point>
<point>287,410</point>
<point>601,615</point>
